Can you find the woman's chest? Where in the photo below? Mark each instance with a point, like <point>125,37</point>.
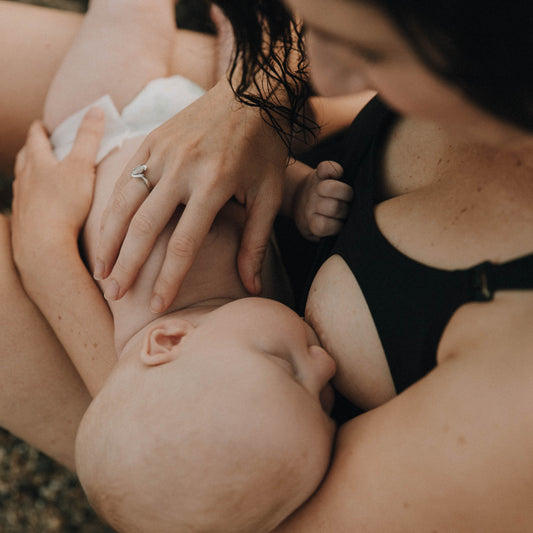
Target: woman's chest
<point>381,301</point>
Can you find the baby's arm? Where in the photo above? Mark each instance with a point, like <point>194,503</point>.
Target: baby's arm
<point>316,199</point>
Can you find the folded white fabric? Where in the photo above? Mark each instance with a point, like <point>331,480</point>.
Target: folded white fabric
<point>160,100</point>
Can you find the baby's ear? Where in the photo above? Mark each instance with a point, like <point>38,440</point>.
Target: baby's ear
<point>162,339</point>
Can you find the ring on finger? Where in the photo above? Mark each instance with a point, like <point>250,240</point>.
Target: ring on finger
<point>139,172</point>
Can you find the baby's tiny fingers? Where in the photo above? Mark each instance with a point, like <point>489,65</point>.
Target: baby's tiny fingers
<point>322,226</point>
<point>329,170</point>
<point>335,189</point>
<point>329,207</point>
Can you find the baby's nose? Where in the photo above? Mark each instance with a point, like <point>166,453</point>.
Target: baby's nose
<point>323,364</point>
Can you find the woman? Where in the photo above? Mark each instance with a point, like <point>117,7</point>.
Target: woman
<point>42,398</point>
<point>453,189</point>
<point>451,451</point>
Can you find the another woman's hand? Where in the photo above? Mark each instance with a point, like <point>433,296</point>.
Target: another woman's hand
<point>213,150</point>
<point>51,199</point>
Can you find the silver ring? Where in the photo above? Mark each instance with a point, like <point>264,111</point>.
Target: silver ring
<point>139,173</point>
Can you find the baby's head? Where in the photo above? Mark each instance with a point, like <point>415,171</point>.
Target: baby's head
<point>215,423</point>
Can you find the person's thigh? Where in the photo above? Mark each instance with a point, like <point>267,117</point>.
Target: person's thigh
<point>42,398</point>
<point>35,41</point>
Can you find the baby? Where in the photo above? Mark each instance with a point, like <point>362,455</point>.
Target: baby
<point>215,417</point>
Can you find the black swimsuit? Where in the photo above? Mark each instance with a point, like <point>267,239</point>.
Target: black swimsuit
<point>410,303</point>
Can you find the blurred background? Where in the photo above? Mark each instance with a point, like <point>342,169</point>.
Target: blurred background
<point>37,495</point>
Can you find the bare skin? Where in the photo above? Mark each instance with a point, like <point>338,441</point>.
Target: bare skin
<point>205,183</point>
<point>401,466</point>
<point>457,189</point>
<point>43,380</point>
<point>32,405</point>
<point>44,398</point>
<point>31,28</point>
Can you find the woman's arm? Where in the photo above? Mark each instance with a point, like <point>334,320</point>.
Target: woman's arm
<point>42,397</point>
<point>75,309</point>
<point>453,453</point>
<point>51,202</point>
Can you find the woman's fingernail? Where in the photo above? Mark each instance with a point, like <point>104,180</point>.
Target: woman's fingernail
<point>99,270</point>
<point>156,305</point>
<point>111,291</point>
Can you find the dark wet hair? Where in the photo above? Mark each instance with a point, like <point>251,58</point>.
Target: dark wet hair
<point>270,42</point>
<point>484,47</point>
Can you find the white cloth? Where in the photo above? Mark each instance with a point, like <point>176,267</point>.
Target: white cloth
<point>160,100</point>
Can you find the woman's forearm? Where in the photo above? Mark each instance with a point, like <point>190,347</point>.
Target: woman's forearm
<point>75,309</point>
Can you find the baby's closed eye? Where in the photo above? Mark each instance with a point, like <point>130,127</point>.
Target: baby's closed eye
<point>284,363</point>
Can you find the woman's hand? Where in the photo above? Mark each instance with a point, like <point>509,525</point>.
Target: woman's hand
<point>211,151</point>
<point>51,199</point>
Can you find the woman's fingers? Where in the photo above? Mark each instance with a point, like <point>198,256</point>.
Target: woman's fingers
<point>200,158</point>
<point>37,143</point>
<point>147,222</point>
<point>256,235</point>
<point>183,247</point>
<point>127,197</point>
<point>88,137</point>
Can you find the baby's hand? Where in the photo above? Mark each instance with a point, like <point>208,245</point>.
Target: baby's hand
<point>322,202</point>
